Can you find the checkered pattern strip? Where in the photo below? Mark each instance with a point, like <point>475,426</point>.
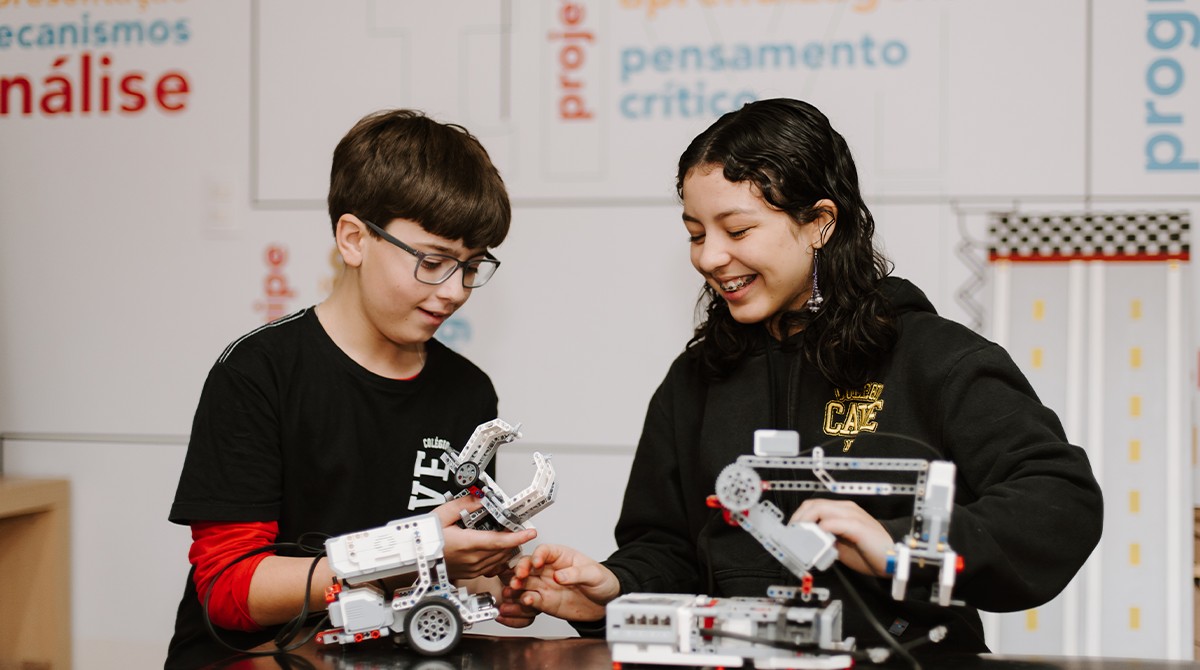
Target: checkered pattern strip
<point>1103,236</point>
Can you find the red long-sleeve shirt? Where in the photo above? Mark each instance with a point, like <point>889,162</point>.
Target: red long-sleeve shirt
<point>215,544</point>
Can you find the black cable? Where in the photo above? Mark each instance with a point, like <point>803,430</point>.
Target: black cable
<point>778,644</point>
<point>832,442</point>
<point>866,611</point>
<point>925,639</point>
<point>291,629</point>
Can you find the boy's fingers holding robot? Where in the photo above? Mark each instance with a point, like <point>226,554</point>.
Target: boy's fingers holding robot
<point>450,512</point>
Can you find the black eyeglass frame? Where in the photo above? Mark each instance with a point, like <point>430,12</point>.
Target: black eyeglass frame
<point>421,256</point>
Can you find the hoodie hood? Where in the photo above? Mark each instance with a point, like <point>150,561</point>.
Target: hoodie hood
<point>904,296</point>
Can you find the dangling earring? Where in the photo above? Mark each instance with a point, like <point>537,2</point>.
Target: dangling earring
<point>814,298</point>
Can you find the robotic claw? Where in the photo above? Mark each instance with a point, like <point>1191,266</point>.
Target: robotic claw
<point>499,510</point>
<point>431,613</point>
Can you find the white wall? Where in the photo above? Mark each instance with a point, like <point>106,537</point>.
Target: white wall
<point>134,245</point>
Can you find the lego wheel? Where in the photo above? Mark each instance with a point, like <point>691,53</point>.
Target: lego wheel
<point>433,627</point>
<point>466,474</point>
<point>738,487</point>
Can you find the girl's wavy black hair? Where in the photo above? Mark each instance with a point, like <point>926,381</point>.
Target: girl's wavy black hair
<point>790,152</point>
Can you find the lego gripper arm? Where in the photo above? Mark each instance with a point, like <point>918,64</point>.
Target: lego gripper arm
<point>499,510</point>
<point>801,547</point>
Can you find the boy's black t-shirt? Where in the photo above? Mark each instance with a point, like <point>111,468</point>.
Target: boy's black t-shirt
<point>290,429</point>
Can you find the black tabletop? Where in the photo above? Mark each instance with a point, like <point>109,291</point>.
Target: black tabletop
<point>479,652</point>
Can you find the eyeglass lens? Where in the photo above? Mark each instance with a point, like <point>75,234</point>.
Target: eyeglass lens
<point>435,269</point>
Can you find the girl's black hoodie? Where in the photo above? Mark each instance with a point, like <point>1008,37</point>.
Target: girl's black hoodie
<point>1027,514</point>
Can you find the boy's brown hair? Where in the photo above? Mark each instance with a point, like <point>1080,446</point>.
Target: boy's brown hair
<point>401,164</point>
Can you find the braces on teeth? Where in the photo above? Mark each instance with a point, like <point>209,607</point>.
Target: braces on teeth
<point>735,284</point>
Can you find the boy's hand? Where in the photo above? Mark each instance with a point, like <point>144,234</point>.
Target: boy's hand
<point>476,553</point>
<point>565,583</point>
<point>862,542</point>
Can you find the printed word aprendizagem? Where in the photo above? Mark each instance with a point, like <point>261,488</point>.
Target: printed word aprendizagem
<point>653,7</point>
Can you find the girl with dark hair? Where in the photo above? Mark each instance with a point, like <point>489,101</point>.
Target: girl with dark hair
<point>785,153</point>
<point>804,330</point>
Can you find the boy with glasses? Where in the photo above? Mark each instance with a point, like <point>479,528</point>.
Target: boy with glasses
<point>323,421</point>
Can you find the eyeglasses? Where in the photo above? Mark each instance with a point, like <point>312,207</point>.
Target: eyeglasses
<point>437,268</point>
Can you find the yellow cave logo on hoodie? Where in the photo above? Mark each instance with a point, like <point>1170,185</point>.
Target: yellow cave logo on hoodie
<point>853,412</point>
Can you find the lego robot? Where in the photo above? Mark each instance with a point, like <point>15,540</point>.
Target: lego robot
<point>797,626</point>
<point>431,613</point>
